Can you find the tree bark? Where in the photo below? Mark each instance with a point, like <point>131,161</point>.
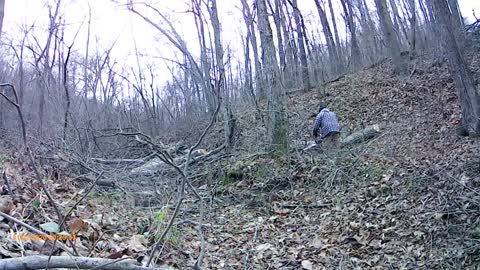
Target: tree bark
<point>301,46</point>
<point>467,89</point>
<point>327,32</point>
<point>248,18</point>
<point>277,129</point>
<point>227,112</point>
<point>2,14</point>
<point>356,54</point>
<point>335,31</point>
<point>41,262</point>
<point>389,36</point>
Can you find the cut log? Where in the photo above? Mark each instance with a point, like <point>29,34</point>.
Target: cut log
<point>155,165</point>
<point>362,135</point>
<point>42,262</point>
<point>356,137</point>
<point>119,162</point>
<point>89,179</point>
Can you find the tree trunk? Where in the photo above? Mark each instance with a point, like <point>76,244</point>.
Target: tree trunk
<point>389,36</point>
<point>356,54</point>
<point>278,128</point>
<point>221,87</point>
<point>205,64</point>
<point>413,26</point>
<point>398,23</point>
<point>278,17</point>
<point>335,31</point>
<point>301,46</point>
<point>332,50</point>
<point>290,62</point>
<point>2,14</point>
<point>457,14</point>
<point>468,91</point>
<point>248,18</point>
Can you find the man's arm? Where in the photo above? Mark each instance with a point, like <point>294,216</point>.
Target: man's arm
<point>316,127</point>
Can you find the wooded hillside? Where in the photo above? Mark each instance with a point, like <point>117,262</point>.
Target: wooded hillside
<point>214,166</point>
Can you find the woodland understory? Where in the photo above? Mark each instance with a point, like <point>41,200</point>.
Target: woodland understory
<point>213,169</point>
<point>406,199</point>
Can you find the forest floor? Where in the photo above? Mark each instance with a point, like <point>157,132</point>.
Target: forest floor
<point>407,199</point>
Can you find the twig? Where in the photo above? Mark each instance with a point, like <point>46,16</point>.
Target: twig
<point>465,186</point>
<point>188,221</point>
<point>68,214</point>
<point>162,237</point>
<point>185,182</point>
<point>25,142</point>
<point>110,263</point>
<point>81,199</point>
<point>34,230</point>
<point>307,206</point>
<point>10,191</point>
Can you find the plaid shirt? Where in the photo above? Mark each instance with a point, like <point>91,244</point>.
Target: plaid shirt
<point>326,122</point>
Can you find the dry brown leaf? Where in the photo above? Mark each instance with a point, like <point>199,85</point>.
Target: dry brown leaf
<point>6,204</point>
<point>138,243</point>
<point>78,225</point>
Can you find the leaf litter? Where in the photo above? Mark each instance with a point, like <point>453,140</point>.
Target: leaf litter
<point>408,199</point>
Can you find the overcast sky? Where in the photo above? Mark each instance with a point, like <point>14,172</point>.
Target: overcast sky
<point>111,22</point>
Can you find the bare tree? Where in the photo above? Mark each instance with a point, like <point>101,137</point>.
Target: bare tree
<point>2,14</point>
<point>301,45</point>
<point>278,128</point>
<point>335,31</point>
<point>248,17</point>
<point>355,54</point>
<point>388,33</point>
<point>468,90</point>
<point>331,46</point>
<point>227,112</point>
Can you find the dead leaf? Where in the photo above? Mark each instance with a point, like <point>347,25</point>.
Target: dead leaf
<point>119,254</point>
<point>78,225</point>
<point>264,247</point>
<point>6,204</point>
<point>317,243</point>
<point>306,264</point>
<point>138,243</point>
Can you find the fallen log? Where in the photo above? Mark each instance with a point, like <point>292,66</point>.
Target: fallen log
<point>362,135</point>
<point>103,183</point>
<point>156,164</point>
<point>119,162</point>
<point>42,262</point>
<point>356,137</point>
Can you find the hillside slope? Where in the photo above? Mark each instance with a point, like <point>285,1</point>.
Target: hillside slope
<point>407,199</point>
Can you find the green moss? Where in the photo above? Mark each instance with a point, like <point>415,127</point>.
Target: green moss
<point>108,197</point>
<point>174,237</point>
<point>280,140</point>
<point>371,172</point>
<point>261,171</point>
<point>3,159</point>
<point>231,175</point>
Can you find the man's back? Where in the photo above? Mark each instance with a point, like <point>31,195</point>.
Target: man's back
<point>326,122</point>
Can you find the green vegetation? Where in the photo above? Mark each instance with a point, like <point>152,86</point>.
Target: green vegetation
<point>261,171</point>
<point>231,175</point>
<point>371,172</point>
<point>36,204</point>
<point>3,159</point>
<point>109,197</point>
<point>160,219</point>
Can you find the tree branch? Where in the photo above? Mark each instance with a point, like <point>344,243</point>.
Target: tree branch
<point>40,262</point>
